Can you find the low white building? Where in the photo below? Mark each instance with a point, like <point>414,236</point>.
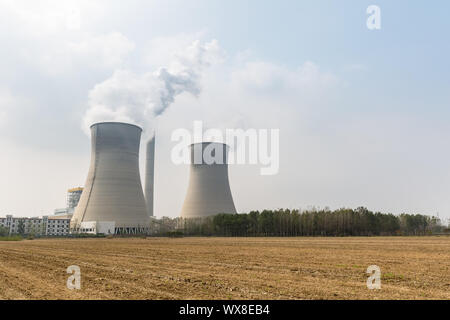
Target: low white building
<point>48,226</point>
<point>97,227</point>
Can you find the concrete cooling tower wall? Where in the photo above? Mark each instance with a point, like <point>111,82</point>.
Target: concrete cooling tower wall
<point>209,190</point>
<point>113,189</point>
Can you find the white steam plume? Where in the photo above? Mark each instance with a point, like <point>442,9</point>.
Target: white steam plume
<point>140,98</point>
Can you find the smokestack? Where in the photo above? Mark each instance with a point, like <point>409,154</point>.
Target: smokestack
<point>113,189</point>
<point>150,175</point>
<point>209,190</point>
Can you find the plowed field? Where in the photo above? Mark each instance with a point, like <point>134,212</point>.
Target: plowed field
<point>227,268</point>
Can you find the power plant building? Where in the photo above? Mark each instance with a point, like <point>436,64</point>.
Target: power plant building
<point>113,190</point>
<point>73,197</point>
<point>45,226</point>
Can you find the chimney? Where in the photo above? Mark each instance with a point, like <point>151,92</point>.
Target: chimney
<point>150,175</point>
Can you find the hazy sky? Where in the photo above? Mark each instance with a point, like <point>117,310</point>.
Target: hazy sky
<point>363,114</point>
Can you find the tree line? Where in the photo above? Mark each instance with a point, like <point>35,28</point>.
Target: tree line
<point>314,222</point>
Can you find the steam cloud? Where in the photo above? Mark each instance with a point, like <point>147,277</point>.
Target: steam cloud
<point>140,98</point>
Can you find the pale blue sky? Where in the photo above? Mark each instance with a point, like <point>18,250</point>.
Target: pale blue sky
<point>378,136</point>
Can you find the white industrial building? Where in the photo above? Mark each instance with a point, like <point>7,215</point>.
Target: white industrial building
<point>54,226</point>
<point>45,226</point>
<point>97,227</point>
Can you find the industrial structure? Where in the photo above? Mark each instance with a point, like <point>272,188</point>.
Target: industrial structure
<point>73,197</point>
<point>113,200</point>
<point>113,190</point>
<point>97,227</point>
<point>209,190</point>
<point>150,175</point>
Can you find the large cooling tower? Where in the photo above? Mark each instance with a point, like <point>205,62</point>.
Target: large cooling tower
<point>150,175</point>
<point>113,189</point>
<point>209,190</point>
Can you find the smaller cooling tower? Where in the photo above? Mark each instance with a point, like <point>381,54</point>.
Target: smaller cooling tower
<point>209,190</point>
<point>113,189</point>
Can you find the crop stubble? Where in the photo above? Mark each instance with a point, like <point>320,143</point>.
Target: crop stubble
<point>227,268</point>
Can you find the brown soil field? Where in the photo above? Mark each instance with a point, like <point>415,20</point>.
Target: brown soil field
<point>227,268</point>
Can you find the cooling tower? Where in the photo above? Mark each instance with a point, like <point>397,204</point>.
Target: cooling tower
<point>209,190</point>
<point>149,175</point>
<point>113,189</point>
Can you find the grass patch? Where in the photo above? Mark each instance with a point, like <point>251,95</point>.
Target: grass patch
<point>11,238</point>
<point>174,234</point>
<point>391,276</point>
